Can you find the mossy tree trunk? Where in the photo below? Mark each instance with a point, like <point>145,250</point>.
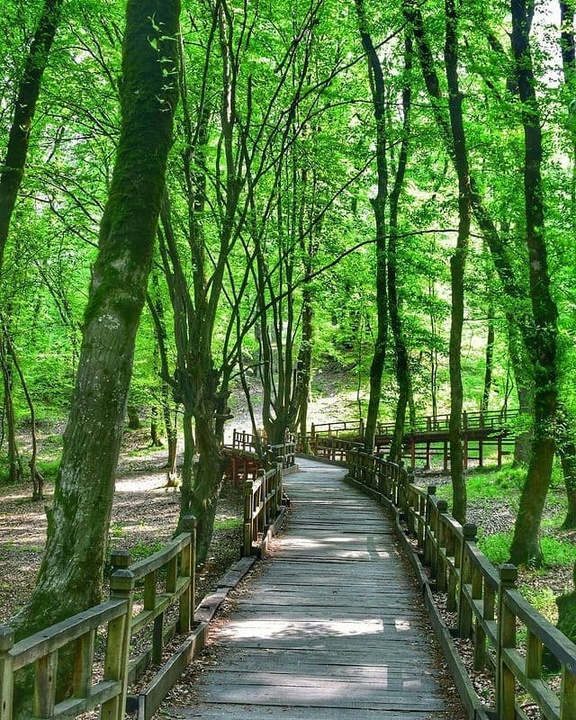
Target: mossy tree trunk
<point>403,373</point>
<point>541,341</point>
<point>70,577</point>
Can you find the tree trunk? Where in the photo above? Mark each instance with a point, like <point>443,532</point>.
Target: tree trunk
<point>457,263</point>
<point>542,340</point>
<point>524,380</point>
<point>26,100</point>
<point>15,469</point>
<point>566,448</point>
<point>378,89</point>
<point>403,375</point>
<point>489,361</point>
<point>35,474</point>
<point>70,578</point>
<point>304,364</point>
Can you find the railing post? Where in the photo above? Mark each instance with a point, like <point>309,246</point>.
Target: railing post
<point>6,672</point>
<point>469,531</point>
<point>567,695</point>
<point>438,564</point>
<point>428,531</point>
<point>505,681</point>
<point>188,570</point>
<point>117,656</point>
<point>248,518</point>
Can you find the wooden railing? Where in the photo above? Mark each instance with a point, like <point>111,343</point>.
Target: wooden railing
<point>172,569</point>
<point>489,610</point>
<point>262,503</point>
<point>246,456</point>
<point>332,447</point>
<point>283,453</point>
<point>495,419</point>
<point>484,434</point>
<point>41,651</point>
<point>244,441</point>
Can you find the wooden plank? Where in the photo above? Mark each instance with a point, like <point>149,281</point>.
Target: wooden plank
<point>249,712</point>
<point>151,699</point>
<point>325,694</point>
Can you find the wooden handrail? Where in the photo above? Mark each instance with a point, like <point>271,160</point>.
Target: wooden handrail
<point>262,501</point>
<point>177,561</point>
<point>77,633</point>
<point>488,607</point>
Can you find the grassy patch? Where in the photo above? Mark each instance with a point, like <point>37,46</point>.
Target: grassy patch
<point>49,469</point>
<point>496,547</point>
<point>556,552</point>
<point>227,523</point>
<point>542,599</point>
<point>141,550</point>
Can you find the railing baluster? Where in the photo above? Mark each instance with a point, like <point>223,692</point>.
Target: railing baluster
<point>505,680</point>
<point>6,672</point>
<point>46,674</point>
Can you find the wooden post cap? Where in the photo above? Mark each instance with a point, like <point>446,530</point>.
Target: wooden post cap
<point>442,506</point>
<point>508,574</point>
<point>122,582</point>
<point>431,489</point>
<point>120,559</point>
<point>6,638</point>
<point>469,530</point>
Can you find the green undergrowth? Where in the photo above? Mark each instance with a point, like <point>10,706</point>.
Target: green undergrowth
<point>227,523</point>
<point>556,551</point>
<point>493,497</point>
<point>497,492</point>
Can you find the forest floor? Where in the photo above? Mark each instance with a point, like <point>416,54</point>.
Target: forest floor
<point>144,516</point>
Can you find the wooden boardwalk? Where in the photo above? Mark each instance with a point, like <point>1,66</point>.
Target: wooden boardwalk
<point>332,627</point>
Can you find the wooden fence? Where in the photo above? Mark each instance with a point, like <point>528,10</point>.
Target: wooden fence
<point>489,609</point>
<point>262,506</point>
<point>427,440</point>
<point>150,602</point>
<point>165,580</point>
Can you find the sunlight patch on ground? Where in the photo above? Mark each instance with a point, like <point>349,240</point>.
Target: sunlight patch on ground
<point>266,629</point>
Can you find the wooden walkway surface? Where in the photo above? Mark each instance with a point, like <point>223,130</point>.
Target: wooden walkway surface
<point>332,627</point>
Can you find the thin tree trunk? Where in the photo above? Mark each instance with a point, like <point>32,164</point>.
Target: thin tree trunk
<point>378,90</point>
<point>457,263</point>
<point>156,308</point>
<point>70,578</point>
<point>15,469</point>
<point>26,100</point>
<point>403,374</point>
<point>524,381</point>
<point>35,474</point>
<point>489,361</point>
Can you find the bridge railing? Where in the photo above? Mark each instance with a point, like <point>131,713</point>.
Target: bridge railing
<point>115,620</point>
<point>489,610</point>
<point>496,419</point>
<point>262,502</point>
<point>283,453</point>
<point>246,456</point>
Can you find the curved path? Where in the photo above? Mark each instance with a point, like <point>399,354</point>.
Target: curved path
<point>332,627</point>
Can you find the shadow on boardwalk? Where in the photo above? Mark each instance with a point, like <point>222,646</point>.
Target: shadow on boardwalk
<point>332,628</point>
